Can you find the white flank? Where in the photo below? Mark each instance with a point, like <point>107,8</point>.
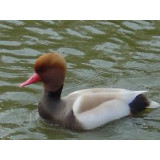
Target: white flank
<point>104,113</point>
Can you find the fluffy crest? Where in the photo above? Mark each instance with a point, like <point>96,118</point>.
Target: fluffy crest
<point>49,60</point>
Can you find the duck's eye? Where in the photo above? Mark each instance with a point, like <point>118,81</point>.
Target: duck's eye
<point>41,70</point>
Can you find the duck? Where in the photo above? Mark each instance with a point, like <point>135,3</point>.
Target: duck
<point>84,109</point>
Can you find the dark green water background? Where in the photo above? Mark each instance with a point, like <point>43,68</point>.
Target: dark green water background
<point>123,54</point>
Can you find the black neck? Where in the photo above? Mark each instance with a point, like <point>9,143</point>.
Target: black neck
<point>54,95</point>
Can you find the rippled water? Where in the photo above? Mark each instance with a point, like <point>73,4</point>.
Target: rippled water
<point>123,54</point>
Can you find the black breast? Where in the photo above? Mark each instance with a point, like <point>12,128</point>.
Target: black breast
<point>44,113</point>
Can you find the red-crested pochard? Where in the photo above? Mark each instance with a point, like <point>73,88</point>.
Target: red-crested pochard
<point>84,109</point>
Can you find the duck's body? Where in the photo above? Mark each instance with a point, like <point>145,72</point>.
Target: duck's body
<point>90,108</point>
<point>85,109</point>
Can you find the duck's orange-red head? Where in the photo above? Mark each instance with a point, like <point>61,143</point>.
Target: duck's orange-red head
<point>50,60</point>
<point>50,69</point>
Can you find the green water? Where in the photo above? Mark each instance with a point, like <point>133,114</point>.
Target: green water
<point>123,54</point>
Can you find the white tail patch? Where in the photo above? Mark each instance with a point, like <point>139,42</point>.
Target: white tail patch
<point>153,104</point>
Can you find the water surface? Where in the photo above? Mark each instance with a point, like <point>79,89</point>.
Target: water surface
<point>123,54</point>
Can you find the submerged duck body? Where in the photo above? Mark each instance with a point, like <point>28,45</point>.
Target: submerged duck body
<point>84,109</point>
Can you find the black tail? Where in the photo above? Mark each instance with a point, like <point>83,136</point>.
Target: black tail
<point>139,104</point>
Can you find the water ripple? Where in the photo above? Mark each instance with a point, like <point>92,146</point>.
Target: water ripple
<point>50,32</point>
<point>77,34</point>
